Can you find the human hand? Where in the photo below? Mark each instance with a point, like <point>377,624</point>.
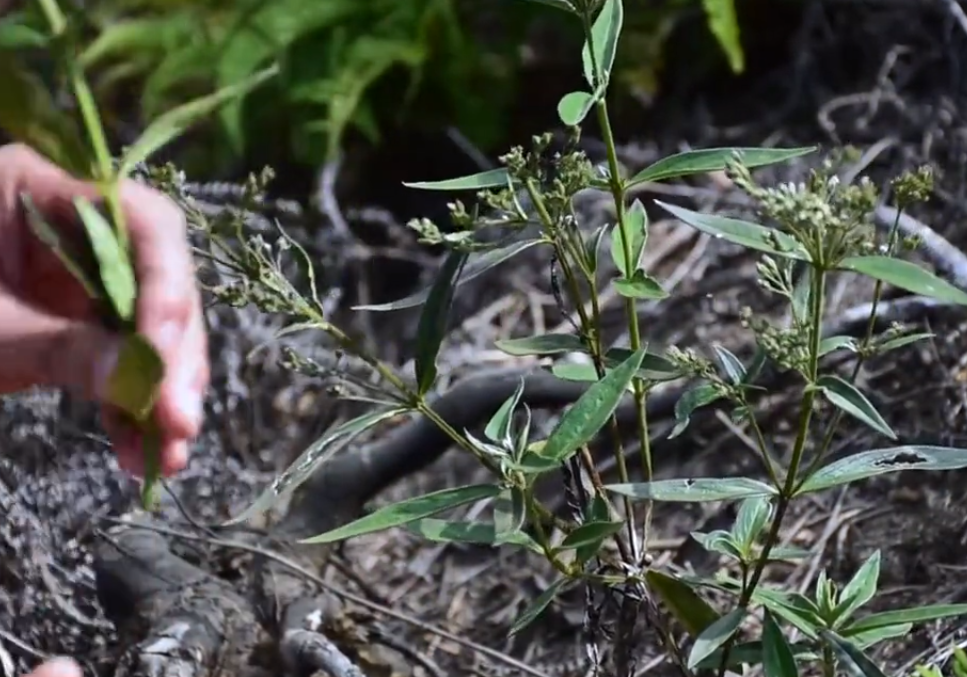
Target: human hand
<point>57,667</point>
<point>49,333</point>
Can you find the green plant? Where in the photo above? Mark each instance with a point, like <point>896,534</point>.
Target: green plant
<point>104,266</point>
<point>958,666</point>
<point>821,227</point>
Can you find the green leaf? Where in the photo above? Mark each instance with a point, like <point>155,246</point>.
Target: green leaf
<point>777,656</point>
<point>654,367</point>
<point>871,637</point>
<point>719,541</point>
<point>536,608</point>
<point>796,609</point>
<point>592,410</point>
<point>750,653</point>
<point>724,24</point>
<point>694,398</point>
<point>881,461</point>
<point>575,372</point>
<point>498,428</point>
<point>859,590</point>
<point>636,220</point>
<point>905,275</point>
<point>133,384</point>
<point>693,612</point>
<point>574,107</point>
<point>604,41</point>
<point>640,286</point>
<point>900,341</point>
<point>828,345</point>
<point>305,465</point>
<point>172,124</point>
<point>434,320</point>
<point>474,268</point>
<point>406,511</point>
<point>443,531</point>
<point>590,533</point>
<point>713,160</point>
<point>114,265</point>
<point>509,513</point>
<point>699,489</point>
<point>851,659</point>
<point>731,365</point>
<point>492,178</point>
<point>847,397</point>
<point>593,247</point>
<point>16,36</point>
<point>715,636</point>
<point>83,266</point>
<point>919,614</point>
<point>754,514</point>
<point>748,235</point>
<point>543,344</point>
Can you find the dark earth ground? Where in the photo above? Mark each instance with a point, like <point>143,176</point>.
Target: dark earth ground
<point>885,76</point>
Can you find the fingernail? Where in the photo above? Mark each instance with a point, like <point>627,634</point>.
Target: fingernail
<point>105,362</point>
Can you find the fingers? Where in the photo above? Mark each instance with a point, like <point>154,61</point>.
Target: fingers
<point>39,349</point>
<point>169,311</point>
<point>57,667</point>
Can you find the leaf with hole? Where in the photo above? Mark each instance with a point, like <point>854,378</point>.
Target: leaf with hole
<point>542,344</point>
<point>715,635</point>
<point>713,160</point>
<point>498,428</point>
<point>881,461</point>
<point>699,489</point>
<point>905,275</point>
<point>636,224</point>
<point>598,57</point>
<point>305,465</point>
<point>851,658</point>
<point>693,612</point>
<point>574,107</point>
<point>491,178</point>
<point>434,320</point>
<point>777,656</point>
<point>743,233</point>
<point>640,286</point>
<point>848,398</point>
<point>169,126</point>
<point>475,267</point>
<point>537,607</point>
<point>591,411</point>
<point>407,511</point>
<point>479,533</point>
<point>694,398</point>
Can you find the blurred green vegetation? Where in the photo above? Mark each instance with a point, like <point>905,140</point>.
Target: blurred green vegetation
<point>349,67</point>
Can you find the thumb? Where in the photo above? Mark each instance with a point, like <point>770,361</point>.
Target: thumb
<point>37,349</point>
<point>57,667</point>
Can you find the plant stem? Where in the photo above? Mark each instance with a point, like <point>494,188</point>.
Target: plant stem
<point>805,418</point>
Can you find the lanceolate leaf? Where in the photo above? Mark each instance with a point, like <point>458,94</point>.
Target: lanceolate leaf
<point>694,490</point>
<point>692,399</point>
<point>543,344</point>
<point>537,607</point>
<point>711,160</point>
<point>443,531</point>
<point>851,658</point>
<point>749,235</point>
<point>724,24</point>
<point>859,590</point>
<point>169,126</point>
<point>905,275</point>
<point>882,461</point>
<point>492,178</point>
<point>920,614</point>
<point>693,612</point>
<point>590,532</point>
<point>303,467</point>
<point>498,428</point>
<point>604,35</point>
<point>407,511</point>
<point>846,397</point>
<point>715,636</point>
<point>114,265</point>
<point>475,267</point>
<point>591,411</point>
<point>434,320</point>
<point>777,656</point>
<point>636,221</point>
